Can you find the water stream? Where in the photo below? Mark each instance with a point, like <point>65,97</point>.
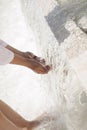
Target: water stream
<point>34,25</point>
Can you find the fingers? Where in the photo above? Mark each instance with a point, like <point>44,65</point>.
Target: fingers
<point>32,56</point>
<point>43,69</point>
<point>39,68</point>
<point>48,67</point>
<point>28,55</point>
<point>38,65</point>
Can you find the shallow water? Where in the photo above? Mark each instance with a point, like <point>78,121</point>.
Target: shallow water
<point>60,93</point>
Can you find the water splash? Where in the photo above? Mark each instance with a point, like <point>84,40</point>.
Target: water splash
<point>61,84</point>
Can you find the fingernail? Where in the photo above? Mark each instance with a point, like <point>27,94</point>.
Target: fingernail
<point>48,67</point>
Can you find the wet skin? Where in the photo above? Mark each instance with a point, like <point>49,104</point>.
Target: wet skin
<point>37,64</point>
<point>28,59</point>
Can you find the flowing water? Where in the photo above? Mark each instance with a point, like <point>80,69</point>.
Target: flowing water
<point>50,30</point>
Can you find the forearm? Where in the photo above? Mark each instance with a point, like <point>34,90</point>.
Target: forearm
<point>6,124</point>
<point>6,45</point>
<point>14,50</point>
<point>12,115</point>
<point>27,59</point>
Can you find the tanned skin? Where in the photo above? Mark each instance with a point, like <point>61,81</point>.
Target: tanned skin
<point>29,60</point>
<point>9,119</point>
